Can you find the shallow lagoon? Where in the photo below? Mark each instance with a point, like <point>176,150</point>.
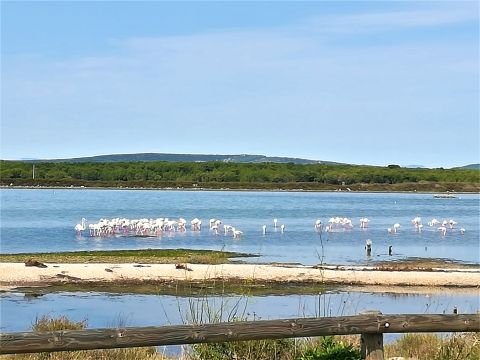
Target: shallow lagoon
<point>42,220</point>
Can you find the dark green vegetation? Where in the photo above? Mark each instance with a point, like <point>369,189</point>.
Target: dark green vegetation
<point>322,348</point>
<point>329,348</point>
<point>149,256</point>
<point>225,175</point>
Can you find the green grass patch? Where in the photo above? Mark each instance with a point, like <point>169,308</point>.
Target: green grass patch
<point>146,256</point>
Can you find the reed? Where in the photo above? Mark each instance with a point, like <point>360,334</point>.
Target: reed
<point>458,346</point>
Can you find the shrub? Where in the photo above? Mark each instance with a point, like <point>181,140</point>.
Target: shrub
<point>331,349</point>
<point>245,350</point>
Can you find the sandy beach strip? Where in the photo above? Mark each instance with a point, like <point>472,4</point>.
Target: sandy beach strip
<point>17,274</point>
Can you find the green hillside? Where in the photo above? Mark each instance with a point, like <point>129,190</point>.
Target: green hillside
<point>219,174</point>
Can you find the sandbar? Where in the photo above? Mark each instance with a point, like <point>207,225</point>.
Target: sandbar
<point>17,274</point>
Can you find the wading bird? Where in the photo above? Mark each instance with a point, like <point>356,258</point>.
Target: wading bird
<point>80,227</point>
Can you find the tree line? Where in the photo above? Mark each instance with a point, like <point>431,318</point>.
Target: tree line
<point>200,173</point>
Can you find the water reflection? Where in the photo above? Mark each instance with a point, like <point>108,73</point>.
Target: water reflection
<point>19,310</point>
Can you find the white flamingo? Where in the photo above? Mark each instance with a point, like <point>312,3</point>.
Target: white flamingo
<point>181,224</point>
<point>282,228</point>
<point>196,224</point>
<point>452,223</point>
<point>236,233</point>
<point>364,223</point>
<point>396,227</point>
<point>416,221</point>
<point>275,223</point>
<point>318,224</point>
<point>264,229</point>
<point>227,228</point>
<point>214,228</point>
<point>95,229</point>
<point>443,230</point>
<point>340,223</point>
<point>211,222</point>
<point>80,227</point>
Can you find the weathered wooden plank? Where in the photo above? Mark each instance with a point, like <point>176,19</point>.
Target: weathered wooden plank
<point>25,342</point>
<point>429,323</point>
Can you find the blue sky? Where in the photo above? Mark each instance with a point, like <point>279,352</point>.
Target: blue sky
<point>357,82</point>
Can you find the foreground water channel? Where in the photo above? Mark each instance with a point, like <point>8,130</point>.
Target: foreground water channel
<point>20,308</point>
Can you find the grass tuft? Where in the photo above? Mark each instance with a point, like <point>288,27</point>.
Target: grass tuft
<point>48,323</point>
<point>458,346</point>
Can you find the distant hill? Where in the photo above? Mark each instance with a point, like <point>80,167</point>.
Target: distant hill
<point>145,157</point>
<point>415,166</point>
<point>471,166</point>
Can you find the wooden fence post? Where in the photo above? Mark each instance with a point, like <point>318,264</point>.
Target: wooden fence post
<point>372,343</point>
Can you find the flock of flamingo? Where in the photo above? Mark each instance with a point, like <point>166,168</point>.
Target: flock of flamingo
<point>444,225</point>
<point>337,223</point>
<point>155,227</point>
<point>150,227</point>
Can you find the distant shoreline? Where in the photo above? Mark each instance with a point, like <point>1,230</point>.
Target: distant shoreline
<point>342,190</point>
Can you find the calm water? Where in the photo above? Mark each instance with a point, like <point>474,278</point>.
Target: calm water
<point>18,312</point>
<point>43,220</point>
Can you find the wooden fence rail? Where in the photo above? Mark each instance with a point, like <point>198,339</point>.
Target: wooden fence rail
<point>370,325</point>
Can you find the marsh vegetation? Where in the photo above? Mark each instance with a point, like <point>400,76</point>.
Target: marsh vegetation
<point>221,175</point>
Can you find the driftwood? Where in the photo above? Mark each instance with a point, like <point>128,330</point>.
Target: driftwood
<point>31,262</point>
<point>183,267</point>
